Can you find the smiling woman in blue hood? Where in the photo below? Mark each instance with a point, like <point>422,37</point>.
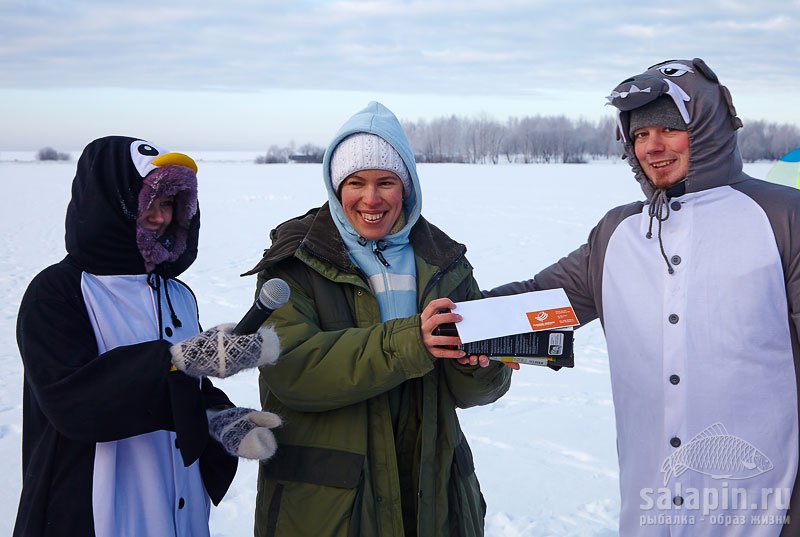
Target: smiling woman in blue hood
<point>371,443</point>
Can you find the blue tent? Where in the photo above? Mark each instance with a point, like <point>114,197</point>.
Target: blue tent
<point>787,170</point>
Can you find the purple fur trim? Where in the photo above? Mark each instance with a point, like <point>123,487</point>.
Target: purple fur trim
<point>152,251</point>
<point>175,181</point>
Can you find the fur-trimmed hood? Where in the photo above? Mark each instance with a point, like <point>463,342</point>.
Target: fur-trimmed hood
<point>706,107</point>
<point>114,175</point>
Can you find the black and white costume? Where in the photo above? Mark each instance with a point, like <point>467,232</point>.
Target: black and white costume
<point>114,443</point>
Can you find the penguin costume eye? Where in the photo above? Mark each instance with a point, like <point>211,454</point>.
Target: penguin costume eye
<point>675,69</point>
<point>142,154</point>
<point>148,150</point>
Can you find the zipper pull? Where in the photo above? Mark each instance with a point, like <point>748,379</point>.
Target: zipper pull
<point>380,257</point>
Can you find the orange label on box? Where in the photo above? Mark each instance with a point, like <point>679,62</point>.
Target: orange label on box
<point>549,319</point>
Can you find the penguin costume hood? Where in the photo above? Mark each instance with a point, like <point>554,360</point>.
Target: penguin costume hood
<point>117,178</point>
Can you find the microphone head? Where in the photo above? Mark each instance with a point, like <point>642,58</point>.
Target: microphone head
<point>274,293</point>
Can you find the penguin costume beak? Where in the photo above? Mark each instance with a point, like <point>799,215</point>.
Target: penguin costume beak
<point>177,159</point>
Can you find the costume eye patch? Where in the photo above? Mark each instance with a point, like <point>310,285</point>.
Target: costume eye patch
<point>142,154</point>
<point>675,69</point>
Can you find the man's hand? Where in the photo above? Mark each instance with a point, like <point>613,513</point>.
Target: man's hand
<point>430,320</point>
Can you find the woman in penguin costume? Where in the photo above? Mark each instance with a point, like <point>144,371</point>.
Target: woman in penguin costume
<point>123,434</point>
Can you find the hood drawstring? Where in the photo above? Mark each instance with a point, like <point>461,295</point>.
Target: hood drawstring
<point>380,246</point>
<point>659,209</point>
<point>155,284</point>
<point>154,281</point>
<point>176,322</point>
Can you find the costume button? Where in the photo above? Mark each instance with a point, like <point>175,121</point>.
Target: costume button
<point>676,260</point>
<point>379,499</point>
<point>181,503</point>
<point>360,292</point>
<point>168,331</point>
<point>675,441</point>
<point>673,319</point>
<point>675,206</point>
<point>678,500</point>
<point>674,379</point>
<point>419,494</point>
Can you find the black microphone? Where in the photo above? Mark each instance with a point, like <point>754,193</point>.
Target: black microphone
<point>274,294</point>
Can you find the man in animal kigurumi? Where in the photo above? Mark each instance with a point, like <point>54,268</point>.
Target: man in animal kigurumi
<point>698,290</point>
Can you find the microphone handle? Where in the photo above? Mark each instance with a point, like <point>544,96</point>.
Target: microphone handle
<point>253,319</point>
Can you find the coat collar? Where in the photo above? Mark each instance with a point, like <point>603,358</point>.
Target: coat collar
<point>316,233</point>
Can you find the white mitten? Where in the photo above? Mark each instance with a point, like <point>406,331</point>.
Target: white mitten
<point>217,352</point>
<point>244,432</point>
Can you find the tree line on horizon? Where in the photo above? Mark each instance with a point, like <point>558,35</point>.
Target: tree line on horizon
<point>535,139</point>
<point>48,153</point>
<point>530,139</point>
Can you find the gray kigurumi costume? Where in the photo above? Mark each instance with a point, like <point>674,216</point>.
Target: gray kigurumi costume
<point>698,290</point>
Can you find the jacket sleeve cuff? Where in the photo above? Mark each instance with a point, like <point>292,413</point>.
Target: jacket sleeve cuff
<point>405,343</point>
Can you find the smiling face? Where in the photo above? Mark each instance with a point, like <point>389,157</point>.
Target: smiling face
<point>157,218</point>
<point>372,201</point>
<point>663,154</point>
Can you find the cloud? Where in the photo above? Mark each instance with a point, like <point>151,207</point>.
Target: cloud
<point>779,23</point>
<point>516,51</point>
<point>433,46</point>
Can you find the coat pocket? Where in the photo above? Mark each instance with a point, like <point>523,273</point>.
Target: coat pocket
<point>309,491</point>
<point>467,508</point>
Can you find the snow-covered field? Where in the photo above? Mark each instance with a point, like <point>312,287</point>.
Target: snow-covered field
<point>545,453</point>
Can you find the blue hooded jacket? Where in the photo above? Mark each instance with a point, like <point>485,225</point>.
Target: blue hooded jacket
<point>394,286</point>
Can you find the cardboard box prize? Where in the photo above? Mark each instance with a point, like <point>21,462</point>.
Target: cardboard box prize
<point>533,328</point>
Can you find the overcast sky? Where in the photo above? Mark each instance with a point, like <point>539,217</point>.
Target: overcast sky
<point>245,74</point>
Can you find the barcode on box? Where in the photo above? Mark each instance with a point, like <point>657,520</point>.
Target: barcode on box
<point>556,345</point>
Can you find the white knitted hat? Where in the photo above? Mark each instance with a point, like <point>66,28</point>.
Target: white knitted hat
<point>365,151</point>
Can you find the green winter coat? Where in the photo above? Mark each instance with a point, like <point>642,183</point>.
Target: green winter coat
<point>354,393</point>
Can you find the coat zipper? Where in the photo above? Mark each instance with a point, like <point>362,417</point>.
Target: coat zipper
<point>433,281</point>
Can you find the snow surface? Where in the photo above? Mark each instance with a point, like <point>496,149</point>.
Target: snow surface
<point>545,453</point>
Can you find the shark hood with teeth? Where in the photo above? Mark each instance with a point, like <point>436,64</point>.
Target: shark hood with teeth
<point>706,107</point>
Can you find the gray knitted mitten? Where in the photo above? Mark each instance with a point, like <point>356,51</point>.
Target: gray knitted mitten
<point>244,432</point>
<point>219,353</point>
